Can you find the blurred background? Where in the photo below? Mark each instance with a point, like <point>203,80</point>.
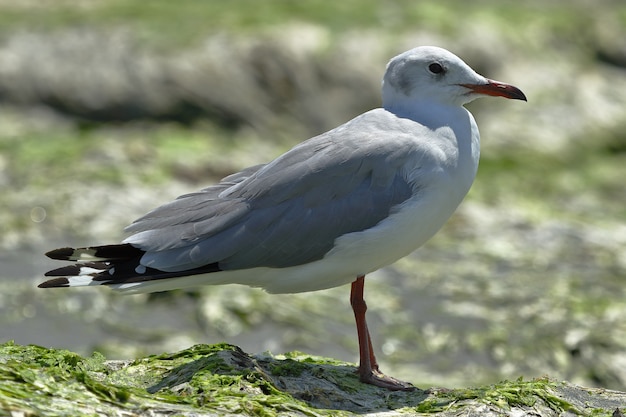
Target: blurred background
<point>109,108</point>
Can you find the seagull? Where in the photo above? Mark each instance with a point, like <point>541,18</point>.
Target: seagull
<point>327,212</point>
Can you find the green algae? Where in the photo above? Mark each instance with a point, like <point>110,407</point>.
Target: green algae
<point>52,382</point>
<point>57,382</point>
<point>288,368</point>
<point>223,380</point>
<point>504,395</point>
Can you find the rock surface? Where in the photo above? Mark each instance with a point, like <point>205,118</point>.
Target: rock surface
<point>222,380</point>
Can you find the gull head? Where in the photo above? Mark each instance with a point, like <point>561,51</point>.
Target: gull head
<point>434,75</point>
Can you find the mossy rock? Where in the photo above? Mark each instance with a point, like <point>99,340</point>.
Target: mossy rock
<point>222,380</point>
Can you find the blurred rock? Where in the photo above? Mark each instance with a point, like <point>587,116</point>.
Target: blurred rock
<point>108,76</point>
<point>297,79</point>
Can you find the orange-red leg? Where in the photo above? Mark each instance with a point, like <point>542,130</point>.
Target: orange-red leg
<point>368,367</point>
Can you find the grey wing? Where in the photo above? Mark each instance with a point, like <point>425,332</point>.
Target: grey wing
<point>174,224</point>
<point>286,213</point>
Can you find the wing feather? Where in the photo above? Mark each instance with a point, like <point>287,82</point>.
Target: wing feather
<point>287,212</point>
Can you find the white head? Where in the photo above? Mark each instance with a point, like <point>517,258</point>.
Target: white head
<point>433,74</point>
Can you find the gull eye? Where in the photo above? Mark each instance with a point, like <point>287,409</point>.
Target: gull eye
<point>436,68</point>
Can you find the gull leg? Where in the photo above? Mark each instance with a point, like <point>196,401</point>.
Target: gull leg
<point>368,366</point>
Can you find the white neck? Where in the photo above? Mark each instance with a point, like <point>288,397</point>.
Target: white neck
<point>462,130</point>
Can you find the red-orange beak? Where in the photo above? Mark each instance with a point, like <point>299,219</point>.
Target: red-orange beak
<point>498,89</point>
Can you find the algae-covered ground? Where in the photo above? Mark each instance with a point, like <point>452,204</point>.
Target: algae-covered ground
<point>110,108</point>
<point>223,380</point>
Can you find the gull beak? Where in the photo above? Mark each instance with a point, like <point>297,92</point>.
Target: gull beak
<point>496,88</point>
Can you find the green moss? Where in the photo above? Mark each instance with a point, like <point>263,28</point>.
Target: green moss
<point>504,395</point>
<point>310,359</point>
<point>38,379</point>
<point>223,380</point>
<point>288,367</point>
<point>52,382</point>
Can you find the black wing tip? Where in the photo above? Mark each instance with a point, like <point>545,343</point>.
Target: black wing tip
<point>62,282</point>
<point>61,254</point>
<point>64,271</point>
<point>111,252</point>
